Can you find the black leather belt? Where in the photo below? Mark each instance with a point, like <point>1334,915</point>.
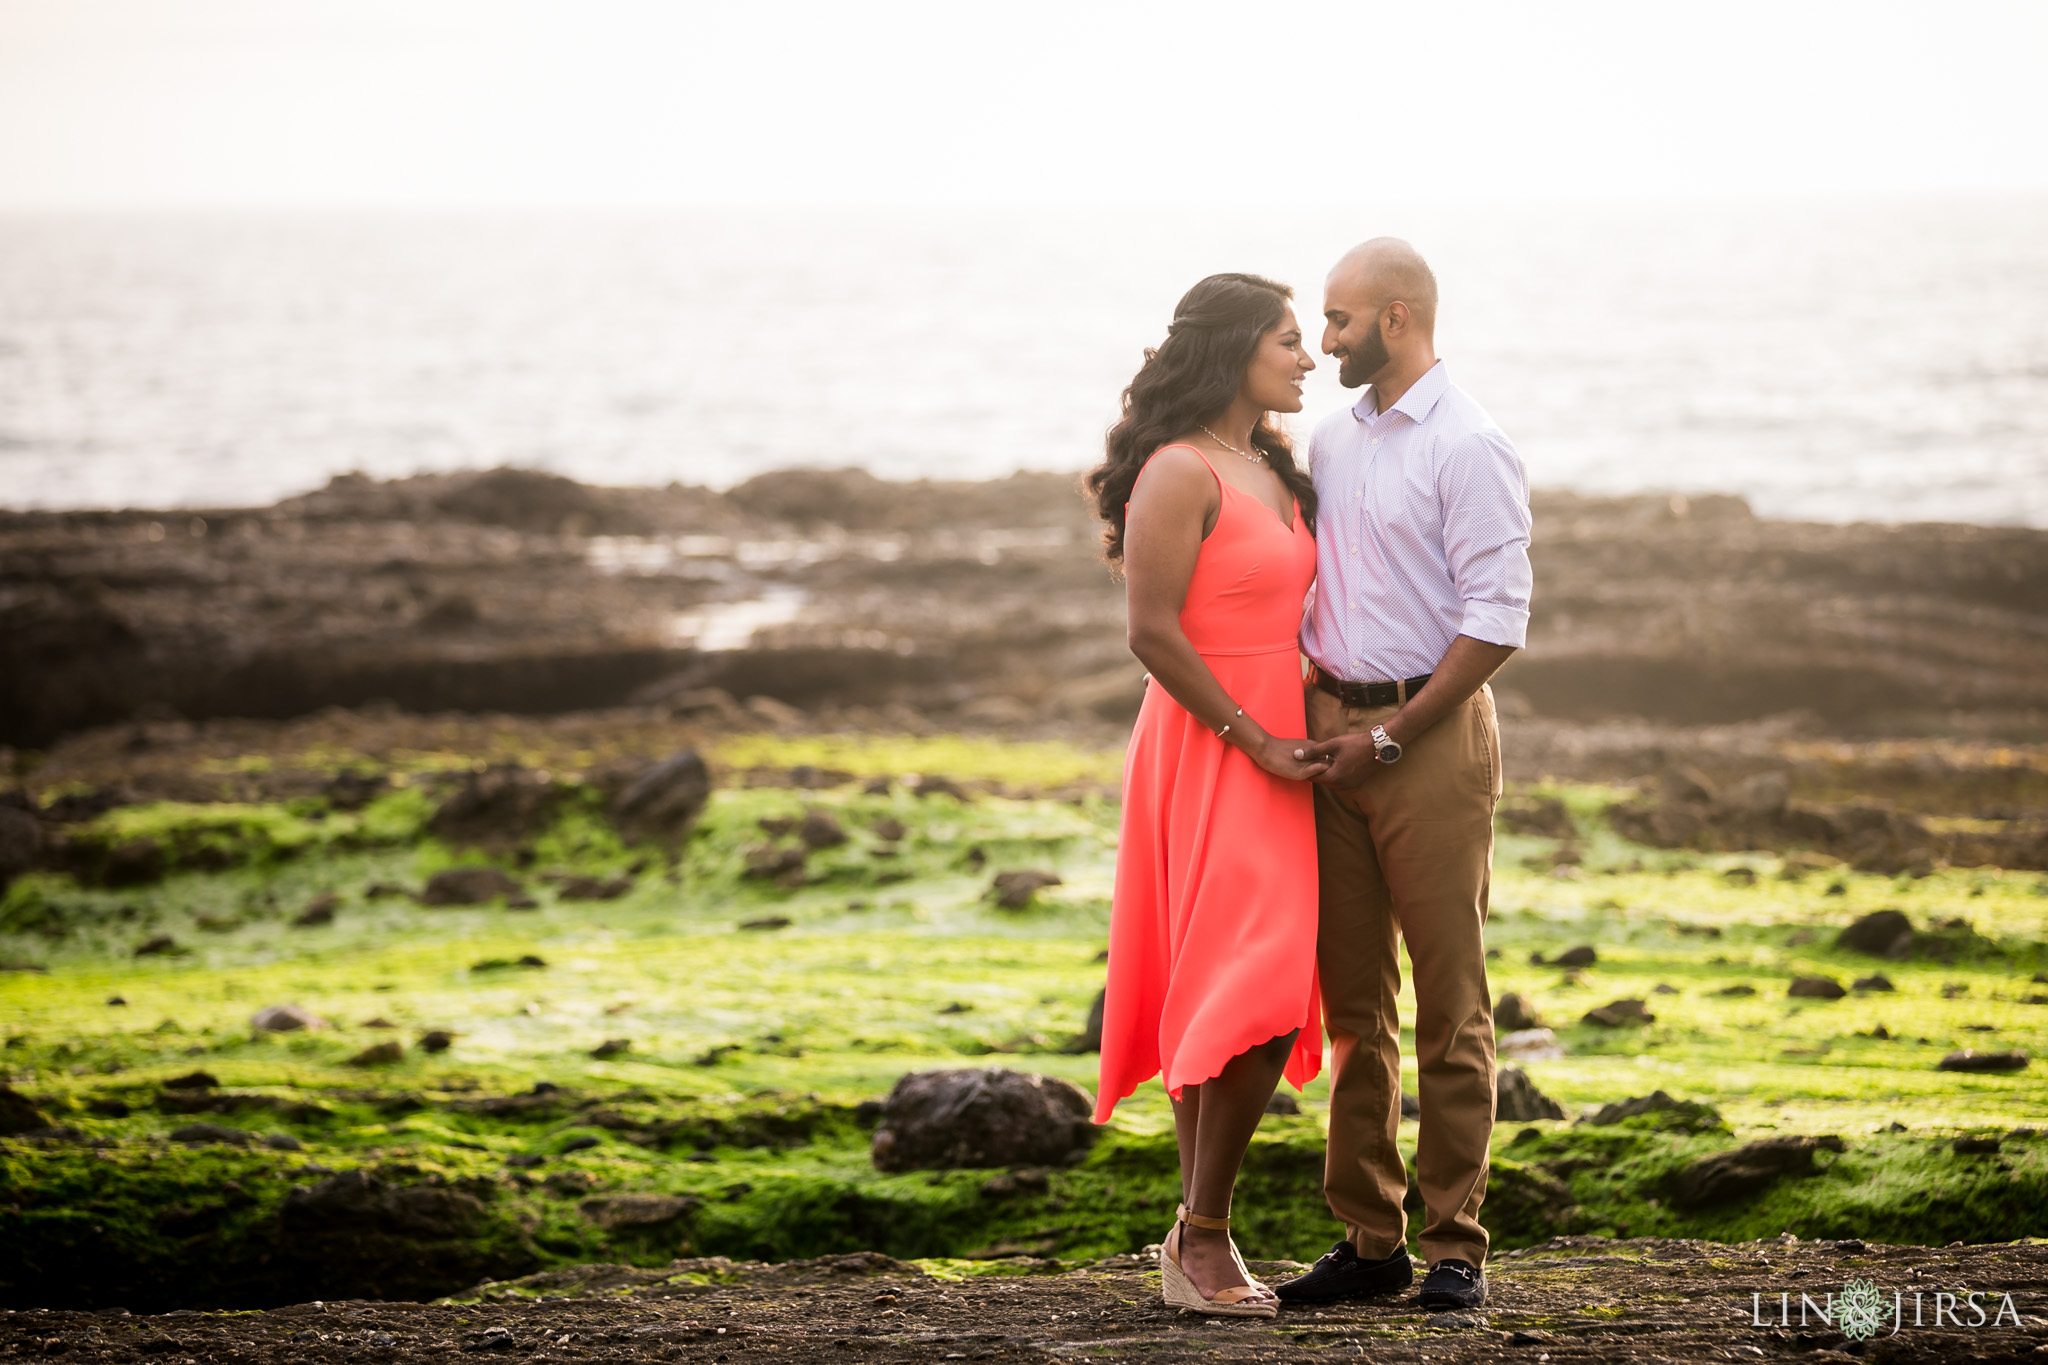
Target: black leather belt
<point>1368,693</point>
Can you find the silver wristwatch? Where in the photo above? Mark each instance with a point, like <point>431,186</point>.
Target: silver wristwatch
<point>1384,747</point>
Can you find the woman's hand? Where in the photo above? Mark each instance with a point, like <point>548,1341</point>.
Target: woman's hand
<point>1288,758</point>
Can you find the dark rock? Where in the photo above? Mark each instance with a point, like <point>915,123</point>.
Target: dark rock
<point>1283,1103</point>
<point>767,922</point>
<point>1581,956</point>
<point>1014,890</point>
<point>492,964</point>
<point>1663,989</point>
<point>193,1080</point>
<point>318,911</point>
<point>198,1133</point>
<point>1526,1338</point>
<point>379,1054</point>
<point>1728,1176</point>
<point>353,1200</point>
<point>436,1040</point>
<point>1975,1146</point>
<point>525,1161</point>
<point>933,784</point>
<point>1816,988</point>
<point>773,863</point>
<point>1619,1014</point>
<point>581,1143</point>
<point>1684,786</point>
<point>994,1117</point>
<point>634,1212</point>
<point>611,1047</point>
<point>819,829</point>
<point>1663,1112</point>
<point>107,1107</point>
<point>468,886</point>
<point>353,789</point>
<point>1881,933</point>
<point>1411,1107</point>
<point>1877,982</point>
<point>285,1019</point>
<point>1545,817</point>
<point>1512,1013</point>
<point>18,1113</point>
<point>662,801</point>
<point>134,862</point>
<point>21,843</point>
<point>283,1142</point>
<point>593,889</point>
<point>1089,1039</point>
<point>1738,989</point>
<point>160,945</point>
<point>1517,1100</point>
<point>889,829</point>
<point>1968,1059</point>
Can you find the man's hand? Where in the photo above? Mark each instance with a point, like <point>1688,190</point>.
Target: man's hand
<point>1351,759</point>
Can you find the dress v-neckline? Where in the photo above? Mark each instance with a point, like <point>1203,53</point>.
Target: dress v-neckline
<point>1285,524</point>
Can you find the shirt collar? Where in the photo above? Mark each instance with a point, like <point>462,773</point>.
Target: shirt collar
<point>1415,404</point>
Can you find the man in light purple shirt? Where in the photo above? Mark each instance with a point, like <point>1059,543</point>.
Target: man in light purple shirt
<point>1422,592</point>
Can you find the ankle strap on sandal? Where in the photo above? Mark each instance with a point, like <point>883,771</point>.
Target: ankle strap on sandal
<point>1199,1221</point>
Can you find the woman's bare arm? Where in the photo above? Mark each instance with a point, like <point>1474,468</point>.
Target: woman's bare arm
<point>1172,510</point>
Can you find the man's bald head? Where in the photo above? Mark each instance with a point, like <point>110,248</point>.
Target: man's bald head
<point>1387,270</point>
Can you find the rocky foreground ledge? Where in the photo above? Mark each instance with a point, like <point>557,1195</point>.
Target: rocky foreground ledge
<point>1571,1299</point>
<point>883,605</point>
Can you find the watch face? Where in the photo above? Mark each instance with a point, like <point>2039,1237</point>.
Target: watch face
<point>1388,752</point>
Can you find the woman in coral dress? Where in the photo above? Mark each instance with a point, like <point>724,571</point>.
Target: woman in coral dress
<point>1212,941</point>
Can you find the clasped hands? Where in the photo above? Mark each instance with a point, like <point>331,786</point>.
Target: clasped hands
<point>1342,761</point>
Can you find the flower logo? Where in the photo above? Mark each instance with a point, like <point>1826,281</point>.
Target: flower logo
<point>1859,1309</point>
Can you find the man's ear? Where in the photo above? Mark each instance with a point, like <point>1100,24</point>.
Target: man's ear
<point>1397,318</point>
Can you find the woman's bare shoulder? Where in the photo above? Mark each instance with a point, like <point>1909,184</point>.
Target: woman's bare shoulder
<point>1178,468</point>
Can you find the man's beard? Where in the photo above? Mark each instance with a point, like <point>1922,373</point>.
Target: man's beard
<point>1366,359</point>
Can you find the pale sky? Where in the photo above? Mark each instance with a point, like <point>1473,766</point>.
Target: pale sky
<point>291,103</point>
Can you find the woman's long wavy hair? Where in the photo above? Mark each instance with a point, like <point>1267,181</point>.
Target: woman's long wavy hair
<point>1188,380</point>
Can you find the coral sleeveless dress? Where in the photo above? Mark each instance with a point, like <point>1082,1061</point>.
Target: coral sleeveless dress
<point>1212,934</point>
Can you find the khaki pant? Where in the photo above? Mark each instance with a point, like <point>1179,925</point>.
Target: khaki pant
<point>1409,854</point>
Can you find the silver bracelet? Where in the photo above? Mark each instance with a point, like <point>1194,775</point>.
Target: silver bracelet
<point>1226,725</point>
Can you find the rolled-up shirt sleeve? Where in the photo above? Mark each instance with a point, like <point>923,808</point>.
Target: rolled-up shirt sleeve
<point>1484,492</point>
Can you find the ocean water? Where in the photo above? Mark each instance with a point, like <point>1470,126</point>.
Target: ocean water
<point>1831,360</point>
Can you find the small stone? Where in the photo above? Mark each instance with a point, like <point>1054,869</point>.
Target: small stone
<point>469,886</point>
<point>193,1080</point>
<point>159,946</point>
<point>1816,988</point>
<point>1619,1014</point>
<point>582,1143</point>
<point>1975,1146</point>
<point>1283,1103</point>
<point>116,1000</point>
<point>436,1040</point>
<point>767,922</point>
<point>1662,988</point>
<point>1517,1100</point>
<point>1014,890</point>
<point>285,1019</point>
<point>593,888</point>
<point>1513,1013</point>
<point>283,1142</point>
<point>888,829</point>
<point>1581,956</point>
<point>18,1113</point>
<point>819,829</point>
<point>1877,982</point>
<point>1881,933</point>
<point>203,1133</point>
<point>379,1054</point>
<point>1526,1339</point>
<point>1966,1059</point>
<point>1529,1045</point>
<point>1736,990</point>
<point>611,1047</point>
<point>622,1211</point>
<point>320,910</point>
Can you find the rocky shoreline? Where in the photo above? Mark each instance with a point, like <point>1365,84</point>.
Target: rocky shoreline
<point>869,604</point>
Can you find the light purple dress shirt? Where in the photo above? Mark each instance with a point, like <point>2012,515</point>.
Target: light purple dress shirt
<point>1422,534</point>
